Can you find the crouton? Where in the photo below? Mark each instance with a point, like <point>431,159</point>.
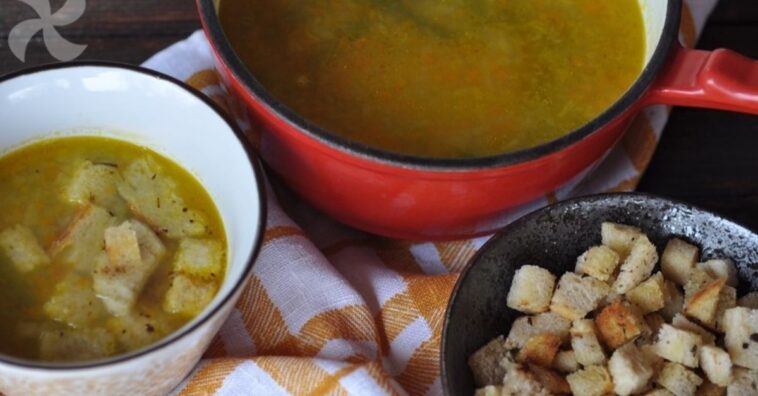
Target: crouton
<point>591,381</point>
<point>82,241</point>
<point>485,363</point>
<point>678,380</point>
<point>119,280</point>
<point>716,364</point>
<point>565,362</point>
<point>681,322</point>
<point>619,237</point>
<point>188,296</point>
<point>744,382</point>
<point>74,303</point>
<point>152,197</point>
<point>489,390</point>
<point>698,279</point>
<point>619,323</point>
<point>651,356</point>
<point>648,296</point>
<point>721,268</point>
<point>20,245</point>
<point>526,327</point>
<point>552,381</point>
<point>630,370</point>
<point>703,305</point>
<point>637,266</point>
<point>584,342</point>
<point>708,388</point>
<point>96,184</point>
<point>151,248</point>
<point>576,295</point>
<point>678,260</point>
<point>749,300</point>
<point>674,300</point>
<point>540,350</point>
<point>139,329</point>
<point>519,381</point>
<point>531,289</point>
<point>741,338</point>
<point>727,300</point>
<point>599,262</point>
<point>202,258</point>
<point>677,345</point>
<point>66,345</point>
<point>654,322</point>
<point>659,392</point>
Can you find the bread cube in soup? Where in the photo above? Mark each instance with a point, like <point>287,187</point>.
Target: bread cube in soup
<point>741,338</point>
<point>82,241</point>
<point>485,363</point>
<point>199,257</point>
<point>716,364</point>
<point>585,343</point>
<point>637,266</point>
<point>591,381</point>
<point>677,345</point>
<point>531,289</point>
<point>619,323</point>
<point>681,322</point>
<point>540,350</point>
<point>526,327</point>
<point>749,300</point>
<point>96,184</point>
<point>188,296</point>
<point>67,345</point>
<point>721,268</point>
<point>678,380</point>
<point>74,303</point>
<point>555,383</point>
<point>678,260</point>
<point>565,362</point>
<point>619,237</point>
<point>576,295</point>
<point>649,296</point>
<point>19,244</point>
<point>139,328</point>
<point>629,369</point>
<point>599,262</point>
<point>744,383</point>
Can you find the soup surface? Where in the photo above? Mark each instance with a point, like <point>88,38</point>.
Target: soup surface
<point>456,78</point>
<point>105,247</point>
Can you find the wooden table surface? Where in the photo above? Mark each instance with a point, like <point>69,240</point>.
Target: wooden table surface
<point>708,158</point>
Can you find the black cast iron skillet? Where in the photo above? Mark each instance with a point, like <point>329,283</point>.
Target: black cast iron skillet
<point>552,238</point>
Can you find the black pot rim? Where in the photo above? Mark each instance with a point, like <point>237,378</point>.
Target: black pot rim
<point>255,89</point>
<point>252,255</point>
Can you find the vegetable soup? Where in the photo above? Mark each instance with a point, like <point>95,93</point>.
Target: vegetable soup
<point>105,247</point>
<point>451,79</point>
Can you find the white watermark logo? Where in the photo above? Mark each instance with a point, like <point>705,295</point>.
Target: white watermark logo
<point>59,47</point>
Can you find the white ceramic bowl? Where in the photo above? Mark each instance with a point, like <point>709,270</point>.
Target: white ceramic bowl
<point>156,111</point>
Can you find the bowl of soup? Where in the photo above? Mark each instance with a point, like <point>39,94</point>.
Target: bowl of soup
<point>427,119</point>
<point>132,213</point>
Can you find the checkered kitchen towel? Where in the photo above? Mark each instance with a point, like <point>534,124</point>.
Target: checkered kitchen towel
<point>334,311</point>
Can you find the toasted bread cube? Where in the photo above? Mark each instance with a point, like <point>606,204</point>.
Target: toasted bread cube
<point>139,329</point>
<point>630,370</point>
<point>520,381</point>
<point>591,381</point>
<point>637,266</point>
<point>681,322</point>
<point>707,388</point>
<point>526,327</point>
<point>677,345</point>
<point>489,390</point>
<point>716,364</point>
<point>67,345</point>
<point>119,280</point>
<point>648,296</point>
<point>584,342</point>
<point>96,184</point>
<point>200,257</point>
<point>74,303</point>
<point>540,350</point>
<point>552,381</point>
<point>599,262</point>
<point>565,362</point>
<point>531,289</point>
<point>741,326</point>
<point>576,295</point>
<point>659,392</point>
<point>744,383</point>
<point>619,237</point>
<point>619,323</point>
<point>727,300</point>
<point>704,304</point>
<point>674,299</point>
<point>654,322</point>
<point>188,296</point>
<point>678,379</point>
<point>485,362</point>
<point>678,260</point>
<point>749,300</point>
<point>698,279</point>
<point>152,197</point>
<point>721,268</point>
<point>82,241</point>
<point>20,245</point>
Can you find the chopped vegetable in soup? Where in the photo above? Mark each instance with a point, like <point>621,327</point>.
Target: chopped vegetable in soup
<point>105,247</point>
<point>455,78</point>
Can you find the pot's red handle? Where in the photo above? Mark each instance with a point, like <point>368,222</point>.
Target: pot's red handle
<point>721,79</point>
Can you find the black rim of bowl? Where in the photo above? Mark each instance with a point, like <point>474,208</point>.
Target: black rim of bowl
<point>255,89</point>
<point>252,255</point>
<point>588,198</point>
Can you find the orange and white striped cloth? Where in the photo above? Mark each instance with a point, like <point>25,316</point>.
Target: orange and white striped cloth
<point>331,310</point>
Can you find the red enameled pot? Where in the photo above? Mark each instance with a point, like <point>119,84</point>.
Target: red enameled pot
<point>424,198</point>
